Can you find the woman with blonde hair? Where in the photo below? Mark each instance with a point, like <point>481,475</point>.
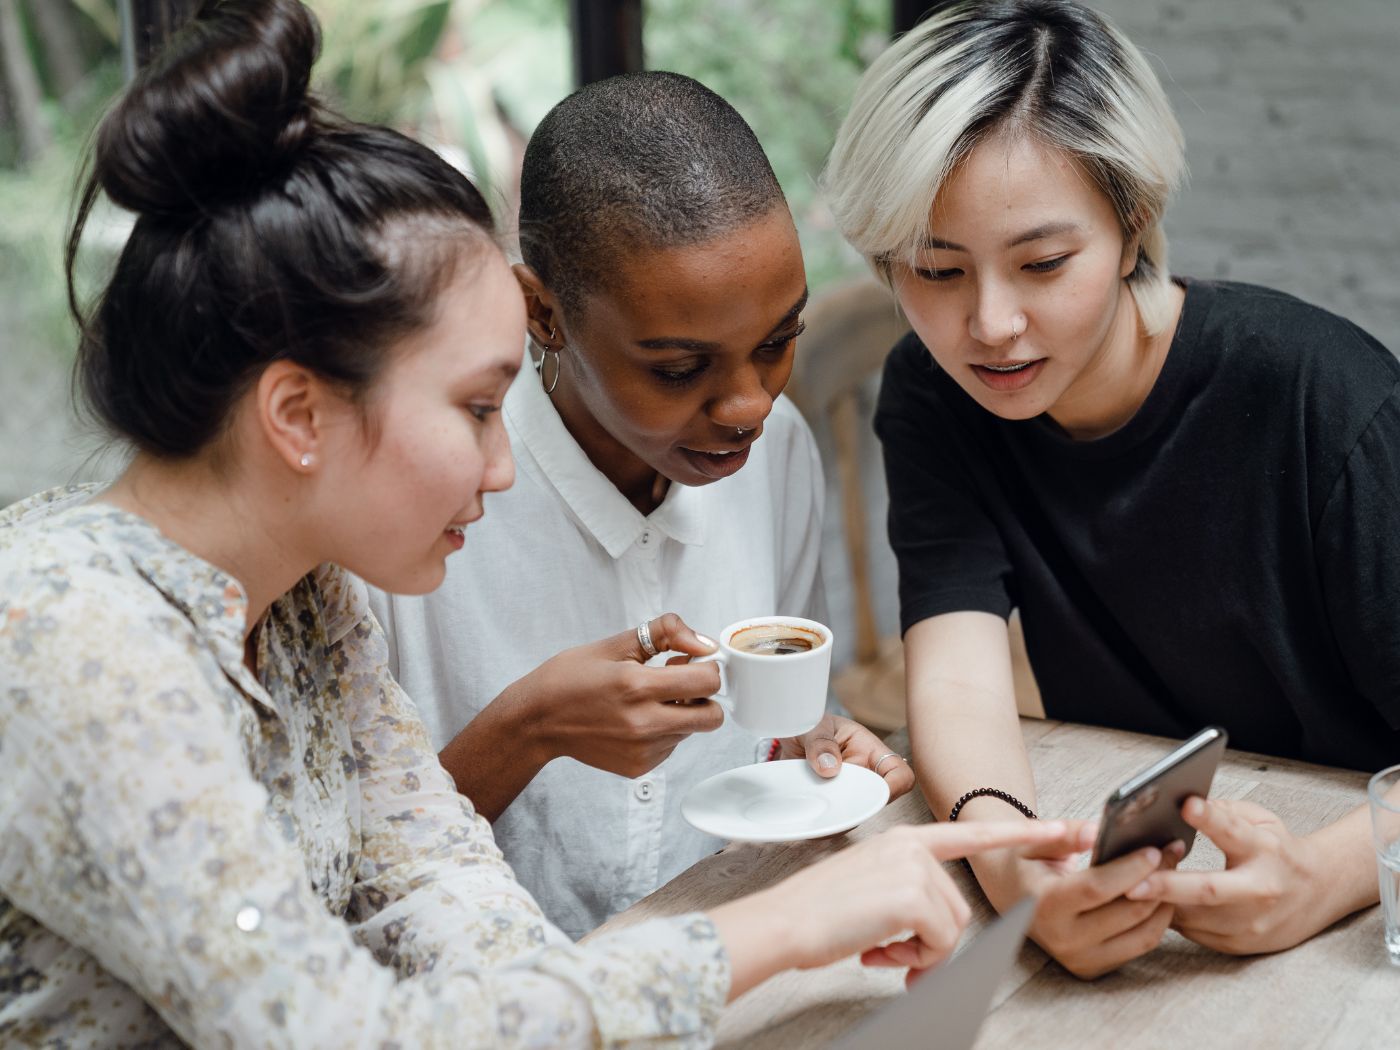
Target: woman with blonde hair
<point>1188,488</point>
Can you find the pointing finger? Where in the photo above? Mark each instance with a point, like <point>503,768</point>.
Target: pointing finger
<point>953,841</point>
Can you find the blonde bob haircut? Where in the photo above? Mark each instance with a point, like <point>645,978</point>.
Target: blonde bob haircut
<point>1051,70</point>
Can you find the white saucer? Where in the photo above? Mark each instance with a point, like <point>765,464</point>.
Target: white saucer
<point>783,801</point>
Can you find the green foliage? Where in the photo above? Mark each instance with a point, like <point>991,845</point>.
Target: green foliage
<point>35,206</point>
<point>790,67</point>
<point>103,15</point>
<point>473,77</point>
<point>374,55</point>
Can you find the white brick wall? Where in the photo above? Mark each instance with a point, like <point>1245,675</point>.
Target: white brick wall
<point>1293,138</point>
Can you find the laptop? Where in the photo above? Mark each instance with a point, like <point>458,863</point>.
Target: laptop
<point>946,1007</point>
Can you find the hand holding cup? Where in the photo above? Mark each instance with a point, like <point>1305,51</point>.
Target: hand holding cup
<point>603,705</point>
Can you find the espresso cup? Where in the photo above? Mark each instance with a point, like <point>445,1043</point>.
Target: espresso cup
<point>772,673</point>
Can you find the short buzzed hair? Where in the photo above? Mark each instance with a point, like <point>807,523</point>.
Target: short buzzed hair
<point>650,160</point>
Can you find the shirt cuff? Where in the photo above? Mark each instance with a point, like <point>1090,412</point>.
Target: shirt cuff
<point>916,610</point>
<point>664,978</point>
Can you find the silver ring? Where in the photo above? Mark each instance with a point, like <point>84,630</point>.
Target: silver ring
<point>644,637</point>
<point>884,758</point>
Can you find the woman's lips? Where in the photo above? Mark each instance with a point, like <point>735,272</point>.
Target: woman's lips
<point>1009,375</point>
<point>456,533</point>
<point>716,465</point>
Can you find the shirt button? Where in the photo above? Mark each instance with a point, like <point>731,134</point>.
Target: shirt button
<point>644,790</point>
<point>645,539</point>
<point>248,919</point>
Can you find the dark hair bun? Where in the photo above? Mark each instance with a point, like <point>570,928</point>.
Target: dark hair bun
<point>269,229</point>
<point>222,109</point>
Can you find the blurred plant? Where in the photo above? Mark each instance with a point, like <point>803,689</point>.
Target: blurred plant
<point>472,77</point>
<point>74,64</point>
<point>465,75</point>
<point>468,76</point>
<point>373,55</point>
<point>790,67</point>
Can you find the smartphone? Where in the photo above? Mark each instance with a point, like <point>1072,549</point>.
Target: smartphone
<point>1146,811</point>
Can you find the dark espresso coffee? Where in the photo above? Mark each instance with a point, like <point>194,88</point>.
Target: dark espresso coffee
<point>775,639</point>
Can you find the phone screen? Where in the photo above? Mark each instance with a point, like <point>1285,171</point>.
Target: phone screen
<point>1146,811</point>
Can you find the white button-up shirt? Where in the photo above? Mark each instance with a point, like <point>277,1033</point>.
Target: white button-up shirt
<point>562,559</point>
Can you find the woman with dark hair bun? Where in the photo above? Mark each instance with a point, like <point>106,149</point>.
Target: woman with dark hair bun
<point>223,821</point>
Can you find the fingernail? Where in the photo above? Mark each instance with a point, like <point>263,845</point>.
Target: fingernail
<point>1154,855</point>
<point>827,760</point>
<point>707,641</point>
<point>1141,890</point>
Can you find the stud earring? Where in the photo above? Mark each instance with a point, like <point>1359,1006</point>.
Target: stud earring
<point>306,460</point>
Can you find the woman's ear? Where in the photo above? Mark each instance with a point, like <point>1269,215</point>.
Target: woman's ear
<point>293,410</point>
<point>1128,263</point>
<point>541,309</point>
<point>1132,243</point>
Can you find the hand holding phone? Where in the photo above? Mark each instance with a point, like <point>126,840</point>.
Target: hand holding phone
<point>1146,811</point>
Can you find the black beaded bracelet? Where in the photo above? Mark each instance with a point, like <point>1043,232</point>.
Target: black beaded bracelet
<point>1005,796</point>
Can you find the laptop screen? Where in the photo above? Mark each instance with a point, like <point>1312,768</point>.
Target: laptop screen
<point>946,1007</point>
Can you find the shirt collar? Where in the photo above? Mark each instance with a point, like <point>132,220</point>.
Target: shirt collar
<point>593,499</point>
<point>212,600</point>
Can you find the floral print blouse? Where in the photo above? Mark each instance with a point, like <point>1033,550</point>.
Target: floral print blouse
<point>192,853</point>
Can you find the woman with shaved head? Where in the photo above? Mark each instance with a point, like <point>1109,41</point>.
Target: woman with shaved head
<point>660,469</point>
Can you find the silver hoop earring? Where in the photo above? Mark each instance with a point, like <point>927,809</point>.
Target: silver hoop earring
<point>545,353</point>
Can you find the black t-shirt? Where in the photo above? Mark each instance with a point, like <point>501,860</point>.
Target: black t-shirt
<point>1231,555</point>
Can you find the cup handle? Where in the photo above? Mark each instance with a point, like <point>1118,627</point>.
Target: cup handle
<point>722,696</point>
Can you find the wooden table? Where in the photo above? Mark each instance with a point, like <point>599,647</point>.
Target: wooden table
<point>1333,991</point>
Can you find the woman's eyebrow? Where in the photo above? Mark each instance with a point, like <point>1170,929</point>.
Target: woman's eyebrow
<point>792,314</point>
<point>1036,233</point>
<point>1049,229</point>
<point>700,346</point>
